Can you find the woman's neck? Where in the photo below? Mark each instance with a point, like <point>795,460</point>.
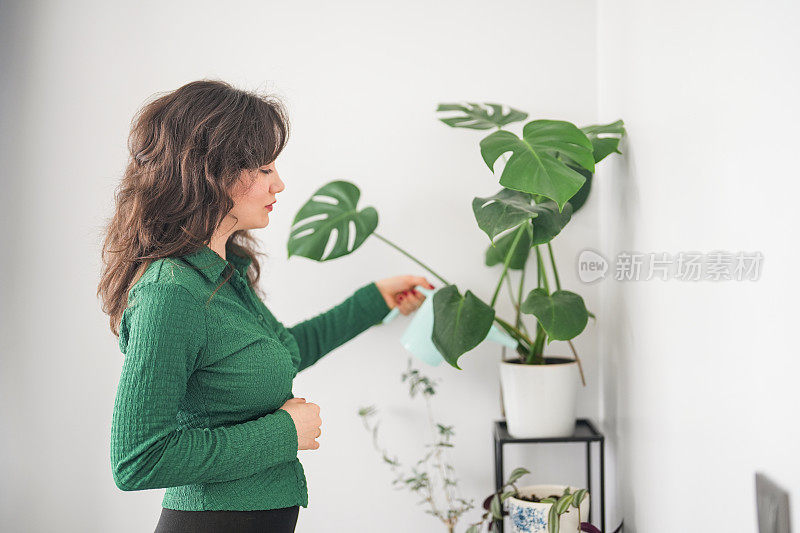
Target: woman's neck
<point>217,243</point>
<point>220,237</point>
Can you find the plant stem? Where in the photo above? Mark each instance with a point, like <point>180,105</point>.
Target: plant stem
<point>542,273</point>
<point>535,354</point>
<point>553,263</point>
<point>438,453</point>
<point>519,323</point>
<point>511,250</point>
<point>511,329</point>
<point>432,501</point>
<point>420,263</point>
<point>578,359</point>
<point>513,300</point>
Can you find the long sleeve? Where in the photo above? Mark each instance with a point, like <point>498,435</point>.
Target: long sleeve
<point>164,332</point>
<point>326,331</point>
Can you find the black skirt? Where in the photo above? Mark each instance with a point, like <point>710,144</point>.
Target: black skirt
<point>281,520</point>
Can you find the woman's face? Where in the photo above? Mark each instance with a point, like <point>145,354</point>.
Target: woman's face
<point>253,192</point>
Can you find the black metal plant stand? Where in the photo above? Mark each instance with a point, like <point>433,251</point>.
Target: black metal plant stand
<point>585,431</point>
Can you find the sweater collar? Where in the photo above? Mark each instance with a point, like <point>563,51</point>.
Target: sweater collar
<point>211,265</point>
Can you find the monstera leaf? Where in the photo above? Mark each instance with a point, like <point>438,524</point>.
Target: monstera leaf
<point>562,314</point>
<point>602,147</point>
<point>582,195</point>
<point>542,229</point>
<point>534,166</point>
<point>609,143</point>
<point>315,222</point>
<point>480,118</point>
<point>505,210</point>
<point>519,257</point>
<point>508,209</point>
<point>549,221</point>
<point>460,323</point>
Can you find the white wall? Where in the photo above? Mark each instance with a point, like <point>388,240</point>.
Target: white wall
<point>698,387</point>
<point>361,81</point>
<point>700,378</point>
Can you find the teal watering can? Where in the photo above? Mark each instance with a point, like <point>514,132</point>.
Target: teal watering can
<point>417,336</point>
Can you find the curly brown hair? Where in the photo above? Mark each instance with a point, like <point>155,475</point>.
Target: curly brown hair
<point>187,150</point>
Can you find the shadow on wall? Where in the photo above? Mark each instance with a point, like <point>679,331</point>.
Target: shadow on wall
<point>620,202</point>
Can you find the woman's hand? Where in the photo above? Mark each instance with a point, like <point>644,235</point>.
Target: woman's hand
<point>399,291</point>
<point>306,420</point>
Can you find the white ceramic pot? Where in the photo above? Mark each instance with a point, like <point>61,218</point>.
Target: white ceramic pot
<point>539,400</point>
<point>532,517</point>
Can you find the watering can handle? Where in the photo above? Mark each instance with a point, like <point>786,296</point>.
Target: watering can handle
<point>396,310</point>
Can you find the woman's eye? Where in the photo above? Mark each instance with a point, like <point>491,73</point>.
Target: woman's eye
<point>265,170</point>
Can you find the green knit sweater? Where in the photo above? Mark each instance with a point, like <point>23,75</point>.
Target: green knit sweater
<point>197,406</point>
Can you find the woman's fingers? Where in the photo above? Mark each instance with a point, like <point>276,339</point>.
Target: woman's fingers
<point>307,421</point>
<point>391,288</point>
<point>427,284</point>
<point>413,297</point>
<point>409,301</point>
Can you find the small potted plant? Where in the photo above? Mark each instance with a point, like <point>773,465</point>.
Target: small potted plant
<point>544,182</point>
<point>536,508</point>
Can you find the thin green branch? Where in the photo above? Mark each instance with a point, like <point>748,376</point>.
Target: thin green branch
<point>553,263</point>
<point>511,250</point>
<point>420,263</point>
<point>542,273</point>
<point>519,323</point>
<point>511,329</point>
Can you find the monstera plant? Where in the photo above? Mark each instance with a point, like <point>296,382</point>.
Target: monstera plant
<point>545,180</point>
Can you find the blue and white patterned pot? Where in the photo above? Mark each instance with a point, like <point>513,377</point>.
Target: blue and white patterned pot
<point>531,517</point>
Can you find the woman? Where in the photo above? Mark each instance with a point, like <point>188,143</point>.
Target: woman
<point>204,406</point>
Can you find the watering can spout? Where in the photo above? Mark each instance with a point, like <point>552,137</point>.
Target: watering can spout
<point>417,336</point>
